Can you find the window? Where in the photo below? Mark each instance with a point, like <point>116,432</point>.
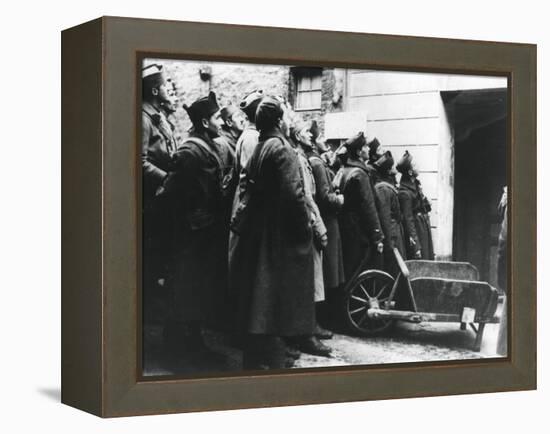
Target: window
<point>308,88</point>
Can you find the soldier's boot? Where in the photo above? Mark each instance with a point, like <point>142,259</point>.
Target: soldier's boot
<point>312,345</point>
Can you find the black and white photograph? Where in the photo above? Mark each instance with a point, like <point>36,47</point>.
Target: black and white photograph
<point>311,217</point>
<point>286,217</point>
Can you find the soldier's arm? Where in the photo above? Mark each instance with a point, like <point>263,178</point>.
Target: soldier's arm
<point>181,182</point>
<point>307,175</point>
<point>150,171</point>
<point>327,199</point>
<point>405,202</point>
<point>383,199</point>
<point>367,208</point>
<point>318,225</point>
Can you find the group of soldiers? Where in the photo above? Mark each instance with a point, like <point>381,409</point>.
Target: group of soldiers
<point>253,225</point>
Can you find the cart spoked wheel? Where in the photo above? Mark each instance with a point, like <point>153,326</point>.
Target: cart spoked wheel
<point>371,289</point>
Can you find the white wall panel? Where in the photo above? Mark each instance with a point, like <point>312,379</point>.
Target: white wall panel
<point>405,132</point>
<point>361,83</point>
<point>397,106</point>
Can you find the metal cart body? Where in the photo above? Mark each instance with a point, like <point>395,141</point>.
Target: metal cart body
<point>436,291</point>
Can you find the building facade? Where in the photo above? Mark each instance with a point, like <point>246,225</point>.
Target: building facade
<point>455,127</point>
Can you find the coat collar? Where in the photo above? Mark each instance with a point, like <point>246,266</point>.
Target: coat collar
<point>387,183</point>
<point>161,122</point>
<point>312,153</point>
<point>274,132</point>
<point>204,137</point>
<point>151,111</point>
<point>408,183</point>
<point>358,164</point>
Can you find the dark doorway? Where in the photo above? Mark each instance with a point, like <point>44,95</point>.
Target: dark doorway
<point>478,120</point>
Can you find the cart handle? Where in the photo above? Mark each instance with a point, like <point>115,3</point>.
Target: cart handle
<point>402,266</point>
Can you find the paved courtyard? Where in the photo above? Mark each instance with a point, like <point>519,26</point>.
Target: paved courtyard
<point>404,343</point>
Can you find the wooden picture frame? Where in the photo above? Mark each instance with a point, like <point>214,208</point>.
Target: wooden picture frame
<point>100,216</point>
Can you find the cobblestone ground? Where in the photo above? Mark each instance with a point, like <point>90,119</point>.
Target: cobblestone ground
<point>404,343</point>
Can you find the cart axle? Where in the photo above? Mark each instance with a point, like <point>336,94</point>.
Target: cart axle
<point>415,317</point>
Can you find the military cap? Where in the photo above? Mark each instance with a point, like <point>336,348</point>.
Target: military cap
<point>385,163</point>
<point>151,77</point>
<point>342,150</point>
<point>373,145</point>
<point>356,142</point>
<point>250,102</point>
<point>151,70</point>
<point>341,155</point>
<point>268,112</point>
<point>202,108</point>
<point>405,163</point>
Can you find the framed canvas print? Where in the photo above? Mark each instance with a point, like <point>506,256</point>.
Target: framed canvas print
<point>261,216</point>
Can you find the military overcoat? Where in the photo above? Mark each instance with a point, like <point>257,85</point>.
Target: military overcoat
<point>359,224</point>
<point>200,221</point>
<point>329,206</point>
<point>157,149</point>
<point>416,219</point>
<point>271,260</point>
<point>389,213</point>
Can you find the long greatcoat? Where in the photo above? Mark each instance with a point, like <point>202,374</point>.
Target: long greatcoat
<point>157,149</point>
<point>416,220</point>
<point>319,228</point>
<point>359,224</point>
<point>329,206</point>
<point>389,213</point>
<point>271,261</point>
<point>200,220</point>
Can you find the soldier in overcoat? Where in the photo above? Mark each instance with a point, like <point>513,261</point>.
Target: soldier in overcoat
<point>157,143</point>
<point>271,261</point>
<point>301,138</point>
<point>389,212</point>
<point>415,209</point>
<point>330,203</point>
<point>359,223</point>
<point>196,188</point>
<point>157,149</point>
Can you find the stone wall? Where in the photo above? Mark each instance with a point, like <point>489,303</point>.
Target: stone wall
<point>230,82</point>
